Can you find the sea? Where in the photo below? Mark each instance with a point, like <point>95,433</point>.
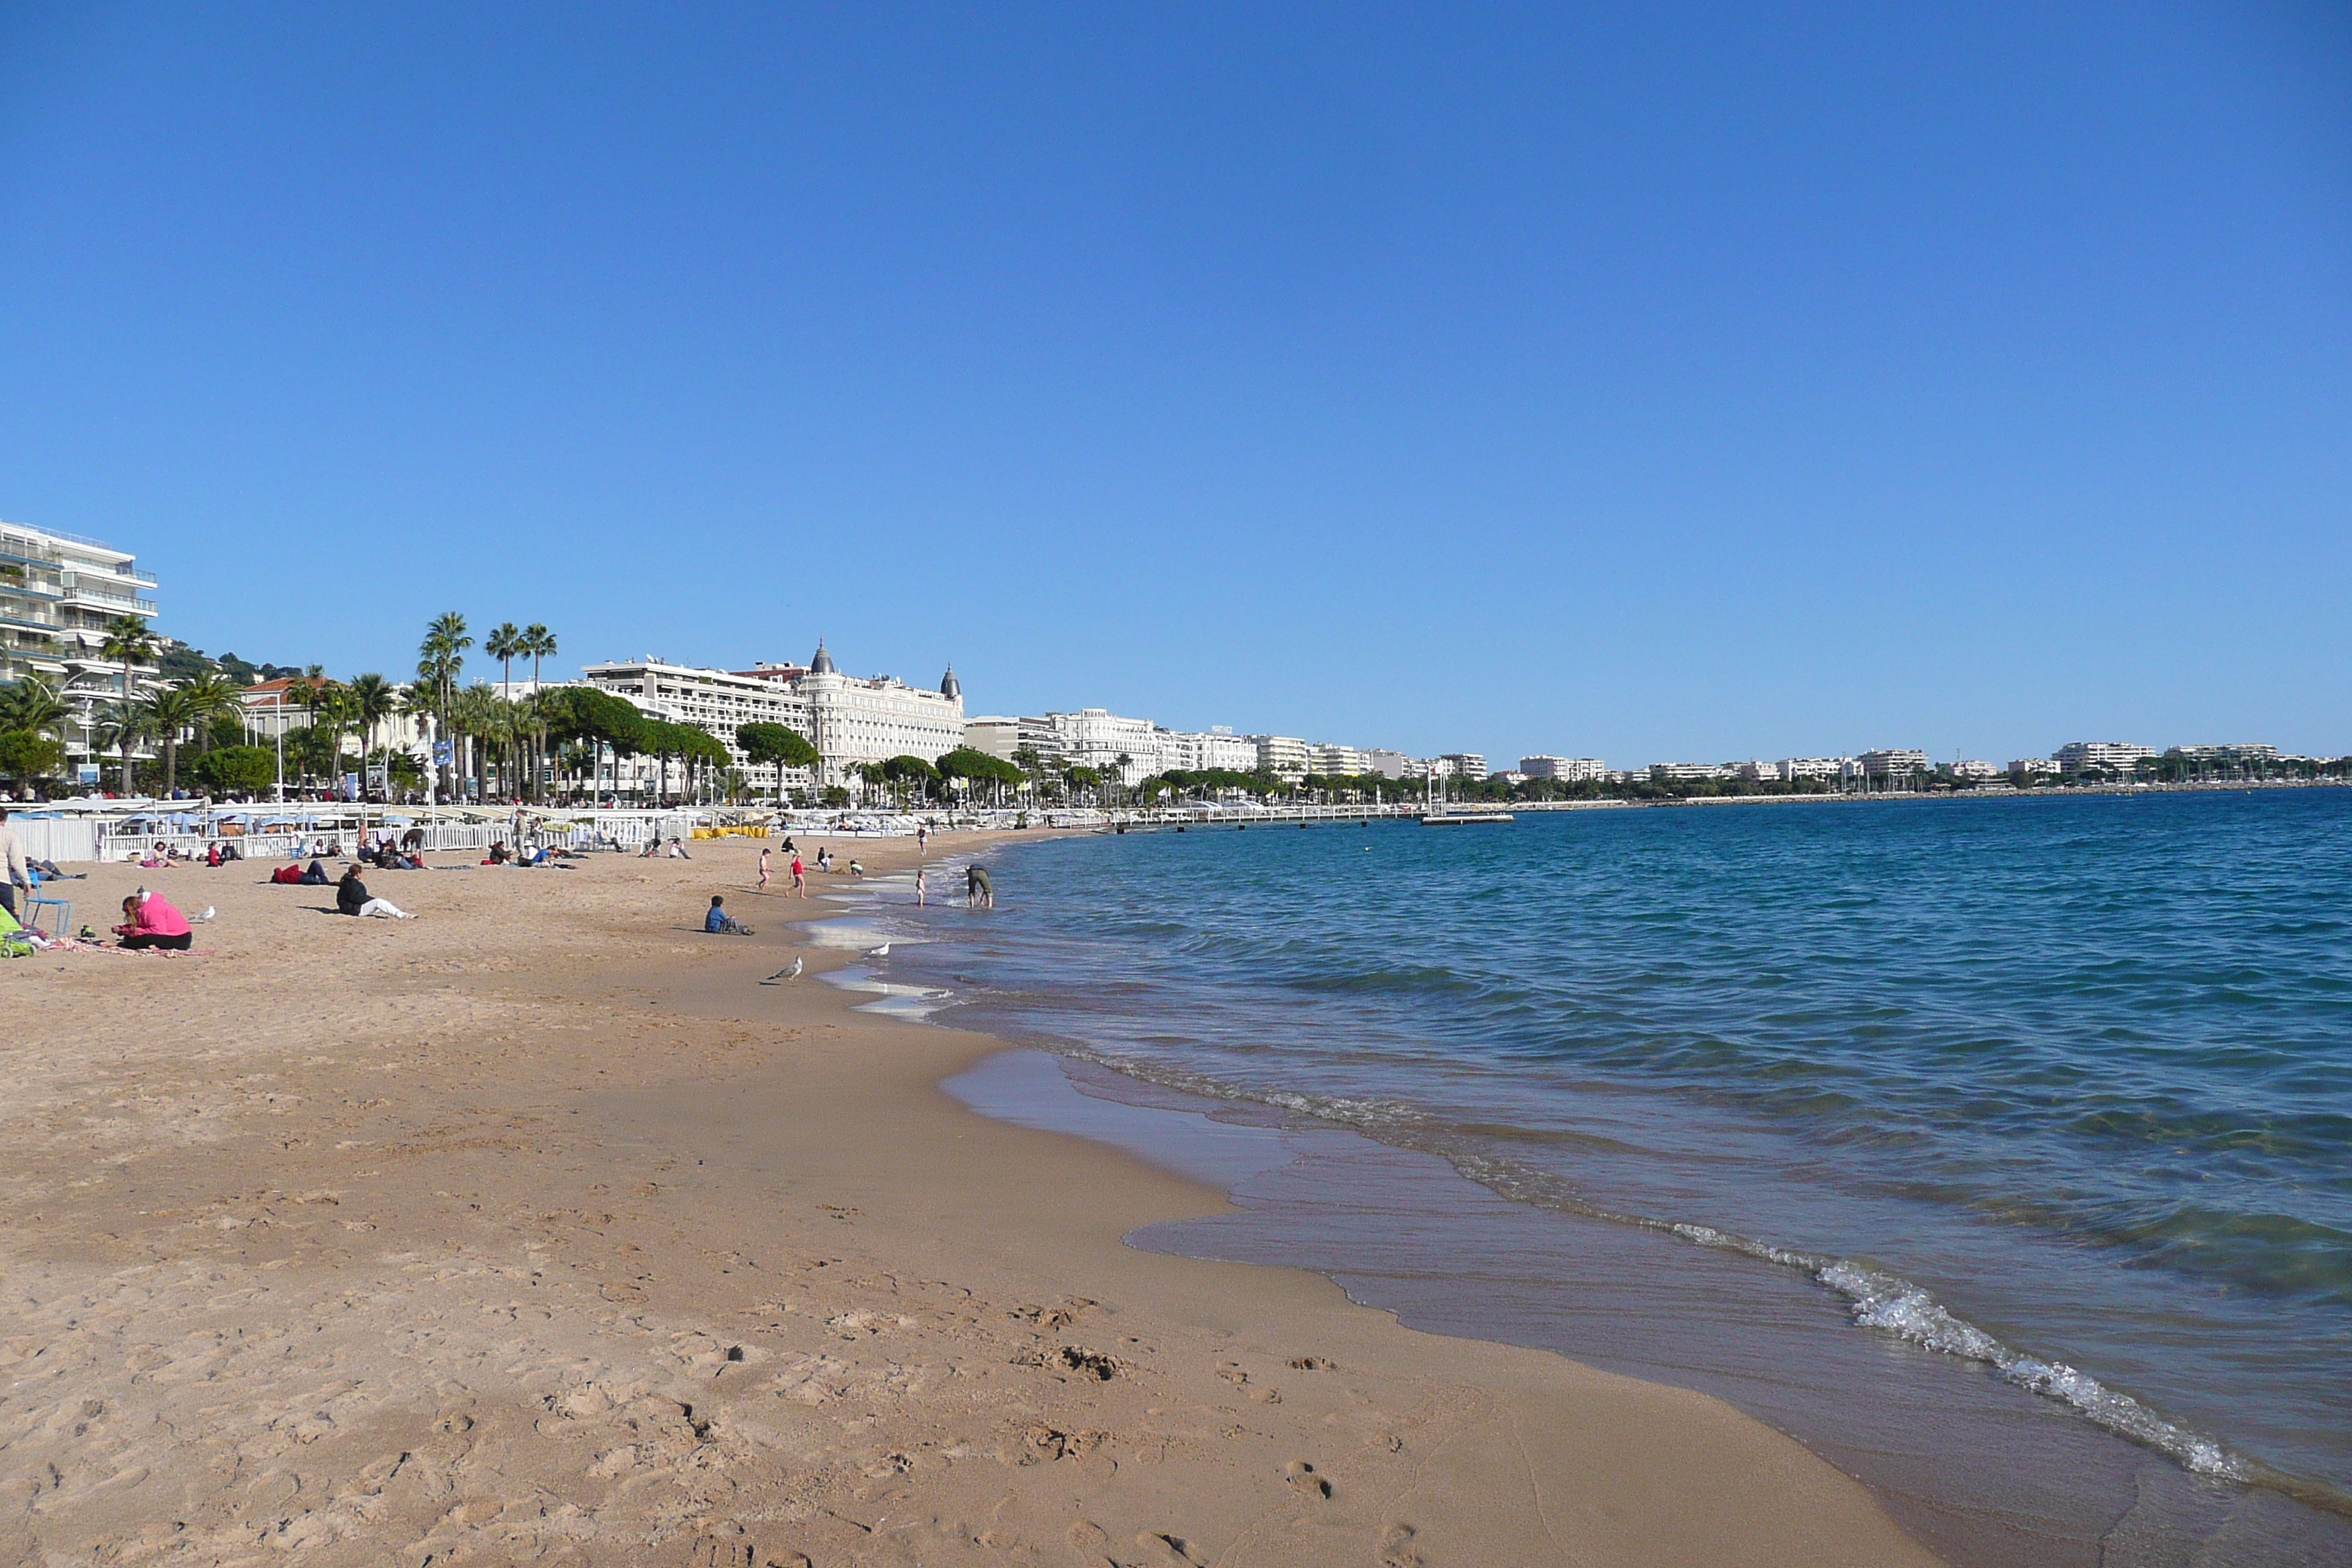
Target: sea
<point>2000,1149</point>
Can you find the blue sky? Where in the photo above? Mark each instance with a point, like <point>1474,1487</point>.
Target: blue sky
<point>1667,383</point>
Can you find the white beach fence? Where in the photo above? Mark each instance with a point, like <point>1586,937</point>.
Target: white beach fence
<point>131,830</point>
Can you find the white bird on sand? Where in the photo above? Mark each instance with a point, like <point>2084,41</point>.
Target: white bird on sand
<point>882,952</point>
<point>791,973</point>
<point>208,914</point>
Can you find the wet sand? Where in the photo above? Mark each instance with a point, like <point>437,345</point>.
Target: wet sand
<point>536,1229</point>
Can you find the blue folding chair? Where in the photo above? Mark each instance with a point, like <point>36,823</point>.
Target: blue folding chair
<point>35,904</point>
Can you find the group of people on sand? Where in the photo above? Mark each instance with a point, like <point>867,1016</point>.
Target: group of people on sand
<point>799,870</point>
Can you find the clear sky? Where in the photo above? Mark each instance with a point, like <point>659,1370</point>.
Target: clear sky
<point>1653,383</point>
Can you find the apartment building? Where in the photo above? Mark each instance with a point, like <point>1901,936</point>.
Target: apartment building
<point>1564,770</point>
<point>58,593</point>
<point>1892,763</point>
<point>1326,759</point>
<point>2100,756</point>
<point>1459,765</point>
<point>1283,755</point>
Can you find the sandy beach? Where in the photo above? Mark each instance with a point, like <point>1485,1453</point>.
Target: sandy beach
<point>537,1230</point>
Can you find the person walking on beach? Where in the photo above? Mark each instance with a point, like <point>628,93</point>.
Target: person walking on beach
<point>977,889</point>
<point>922,840</point>
<point>764,868</point>
<point>13,850</point>
<point>800,879</point>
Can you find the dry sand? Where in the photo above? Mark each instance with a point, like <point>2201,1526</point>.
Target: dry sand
<point>534,1230</point>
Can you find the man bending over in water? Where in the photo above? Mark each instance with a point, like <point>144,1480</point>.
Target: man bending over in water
<point>976,888</point>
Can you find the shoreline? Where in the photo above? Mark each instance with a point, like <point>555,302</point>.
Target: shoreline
<point>2123,1476</point>
<point>497,1230</point>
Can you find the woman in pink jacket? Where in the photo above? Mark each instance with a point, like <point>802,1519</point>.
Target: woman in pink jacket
<point>150,921</point>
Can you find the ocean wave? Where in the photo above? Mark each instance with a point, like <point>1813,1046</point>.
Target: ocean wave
<point>1881,1300</point>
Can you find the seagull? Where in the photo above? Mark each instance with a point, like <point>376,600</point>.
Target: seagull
<point>791,973</point>
<point>882,952</point>
<point>208,914</point>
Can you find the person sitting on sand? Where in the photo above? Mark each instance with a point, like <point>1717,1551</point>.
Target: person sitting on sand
<point>719,922</point>
<point>498,853</point>
<point>148,920</point>
<point>677,851</point>
<point>856,869</point>
<point>352,898</point>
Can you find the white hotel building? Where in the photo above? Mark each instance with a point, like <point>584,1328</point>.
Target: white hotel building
<point>849,719</point>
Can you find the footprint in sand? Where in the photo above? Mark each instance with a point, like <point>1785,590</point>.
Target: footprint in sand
<point>1304,1481</point>
<point>1169,1552</point>
<point>1396,1548</point>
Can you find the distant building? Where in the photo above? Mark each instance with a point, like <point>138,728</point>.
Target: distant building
<point>1977,771</point>
<point>1691,773</point>
<point>1892,763</point>
<point>1565,769</point>
<point>1331,761</point>
<point>1460,766</point>
<point>1282,755</point>
<point>1391,765</point>
<point>1509,777</point>
<point>2238,756</point>
<point>871,719</point>
<point>2101,756</point>
<point>716,700</point>
<point>1791,770</point>
<point>2025,769</point>
<point>1195,752</point>
<point>849,719</point>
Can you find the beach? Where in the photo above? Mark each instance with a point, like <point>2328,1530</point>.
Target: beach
<point>536,1229</point>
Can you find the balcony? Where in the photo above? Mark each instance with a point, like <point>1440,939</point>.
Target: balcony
<point>83,588</point>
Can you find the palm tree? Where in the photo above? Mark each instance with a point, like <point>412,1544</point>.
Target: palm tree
<point>503,644</point>
<point>170,711</point>
<point>208,697</point>
<point>372,700</point>
<point>123,722</point>
<point>127,642</point>
<point>440,658</point>
<point>333,710</point>
<point>538,643</point>
<point>32,704</point>
<point>476,713</point>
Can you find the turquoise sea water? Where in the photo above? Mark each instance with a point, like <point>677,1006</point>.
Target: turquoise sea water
<point>2061,1087</point>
